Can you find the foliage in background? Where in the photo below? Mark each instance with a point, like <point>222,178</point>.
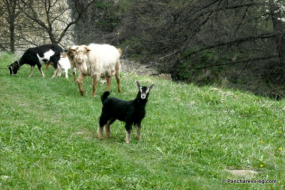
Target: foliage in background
<point>98,21</point>
<point>210,41</point>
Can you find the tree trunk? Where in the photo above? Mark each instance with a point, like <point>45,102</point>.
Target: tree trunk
<point>12,36</point>
<point>279,38</point>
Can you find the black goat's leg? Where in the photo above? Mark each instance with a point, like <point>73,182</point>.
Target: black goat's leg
<point>128,127</point>
<point>43,75</point>
<point>107,127</point>
<point>32,71</point>
<point>54,73</point>
<point>128,136</point>
<point>56,69</point>
<point>100,132</point>
<point>107,130</point>
<point>102,123</point>
<point>58,74</point>
<point>41,71</point>
<point>138,127</point>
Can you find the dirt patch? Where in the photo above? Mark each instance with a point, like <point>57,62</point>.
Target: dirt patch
<point>85,134</point>
<point>246,173</point>
<point>135,67</point>
<point>146,70</point>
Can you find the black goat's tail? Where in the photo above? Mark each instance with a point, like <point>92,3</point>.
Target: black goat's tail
<point>104,96</point>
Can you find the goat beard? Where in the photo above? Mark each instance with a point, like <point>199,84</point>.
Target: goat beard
<point>83,67</point>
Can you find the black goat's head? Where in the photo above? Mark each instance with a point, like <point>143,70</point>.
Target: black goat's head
<point>14,67</point>
<point>144,90</point>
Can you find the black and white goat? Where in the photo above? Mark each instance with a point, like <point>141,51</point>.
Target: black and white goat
<point>37,56</point>
<point>131,112</point>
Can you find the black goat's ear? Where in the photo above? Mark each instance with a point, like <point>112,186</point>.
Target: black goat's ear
<point>138,84</point>
<point>151,86</point>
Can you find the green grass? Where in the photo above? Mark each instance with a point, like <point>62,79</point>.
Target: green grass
<point>191,135</point>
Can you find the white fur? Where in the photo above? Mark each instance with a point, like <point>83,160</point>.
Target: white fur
<point>100,59</point>
<point>105,56</point>
<point>46,56</point>
<point>65,65</point>
<point>96,60</point>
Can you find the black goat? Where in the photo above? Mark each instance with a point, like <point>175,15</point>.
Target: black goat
<point>37,56</point>
<point>131,112</point>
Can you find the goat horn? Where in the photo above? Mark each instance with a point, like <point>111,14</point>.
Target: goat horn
<point>138,84</point>
<point>151,86</point>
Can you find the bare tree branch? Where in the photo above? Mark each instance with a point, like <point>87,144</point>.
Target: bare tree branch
<point>51,18</point>
<point>241,61</point>
<point>232,42</point>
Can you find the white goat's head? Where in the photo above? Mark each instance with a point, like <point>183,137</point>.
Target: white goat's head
<point>80,53</point>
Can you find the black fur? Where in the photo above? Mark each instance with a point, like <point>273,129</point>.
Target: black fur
<point>131,112</point>
<point>30,57</point>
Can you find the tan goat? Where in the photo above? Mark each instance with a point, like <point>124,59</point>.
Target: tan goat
<point>94,60</point>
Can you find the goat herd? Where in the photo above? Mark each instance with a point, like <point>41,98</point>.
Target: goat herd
<point>95,60</point>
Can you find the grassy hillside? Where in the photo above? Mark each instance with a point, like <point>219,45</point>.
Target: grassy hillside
<point>191,136</point>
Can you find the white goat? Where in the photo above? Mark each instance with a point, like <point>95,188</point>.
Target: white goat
<point>64,64</point>
<point>94,60</point>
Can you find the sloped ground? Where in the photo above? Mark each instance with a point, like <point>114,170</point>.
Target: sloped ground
<point>140,69</point>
